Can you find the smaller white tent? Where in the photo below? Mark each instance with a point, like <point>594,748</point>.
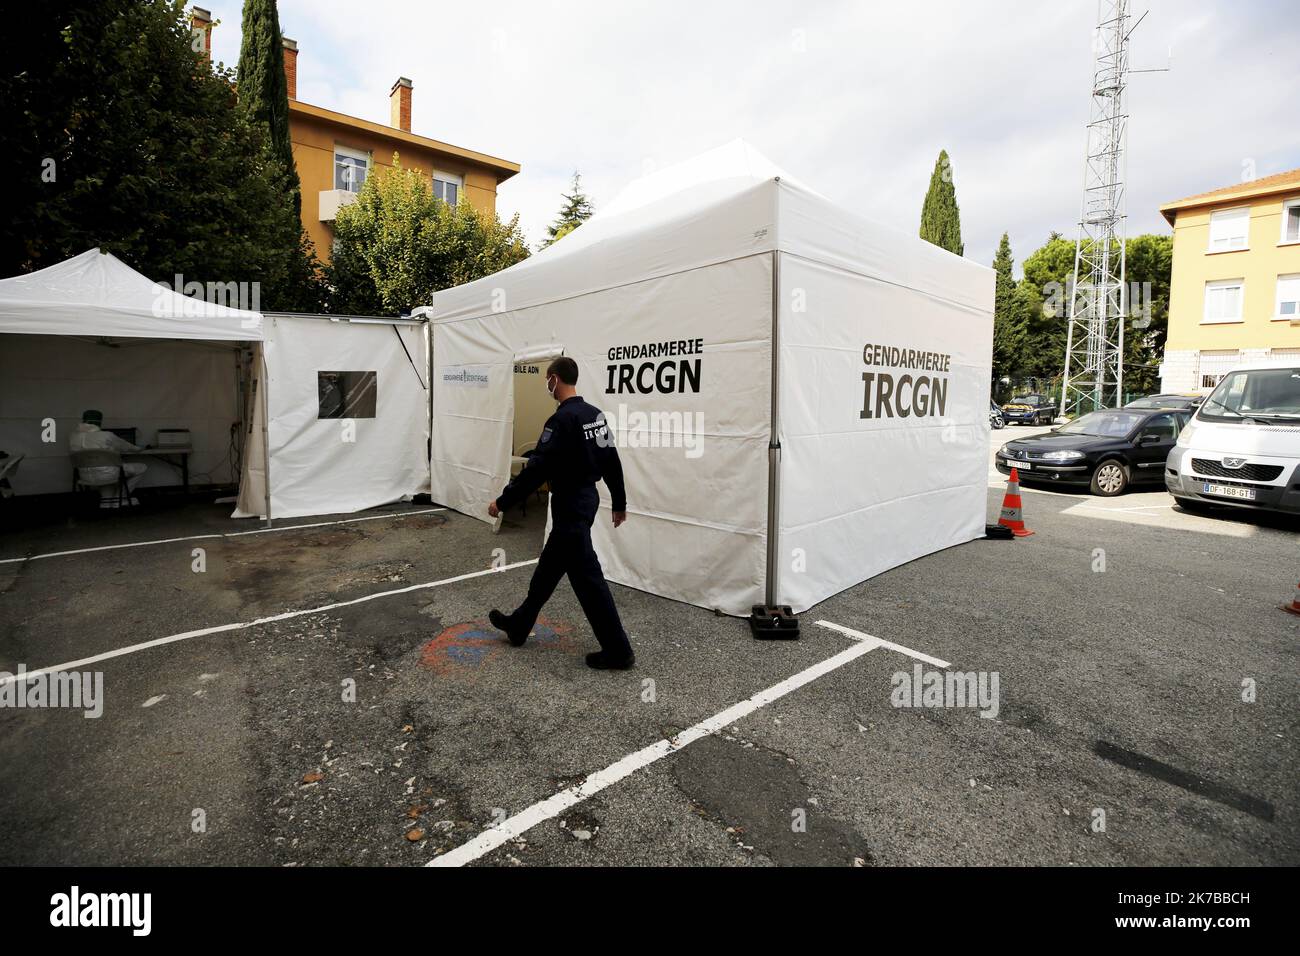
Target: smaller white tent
<point>97,294</point>
<point>800,395</point>
<point>92,332</point>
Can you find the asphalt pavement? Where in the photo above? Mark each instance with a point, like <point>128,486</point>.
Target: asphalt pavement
<point>1145,708</point>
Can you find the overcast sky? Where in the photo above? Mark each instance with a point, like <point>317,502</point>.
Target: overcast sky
<point>853,98</point>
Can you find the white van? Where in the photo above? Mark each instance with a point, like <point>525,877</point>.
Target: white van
<point>1242,447</point>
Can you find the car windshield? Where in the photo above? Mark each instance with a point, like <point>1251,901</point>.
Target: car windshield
<point>1157,401</point>
<point>1111,424</point>
<point>1255,394</point>
<point>1027,400</point>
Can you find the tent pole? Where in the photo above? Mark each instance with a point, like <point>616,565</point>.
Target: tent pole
<point>774,447</point>
<point>428,325</point>
<point>266,431</point>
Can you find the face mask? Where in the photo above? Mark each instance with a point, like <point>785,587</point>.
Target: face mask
<point>551,382</point>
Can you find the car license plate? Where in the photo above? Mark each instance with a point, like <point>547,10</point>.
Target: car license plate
<point>1022,465</point>
<point>1228,491</point>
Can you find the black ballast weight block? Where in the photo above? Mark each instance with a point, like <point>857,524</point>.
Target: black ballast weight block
<point>998,532</point>
<point>776,623</point>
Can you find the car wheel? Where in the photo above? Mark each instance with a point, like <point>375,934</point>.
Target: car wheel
<point>1110,479</point>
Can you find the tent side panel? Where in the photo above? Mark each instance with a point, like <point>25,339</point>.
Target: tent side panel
<point>472,408</point>
<point>332,465</point>
<point>252,483</point>
<point>680,366</point>
<point>884,458</point>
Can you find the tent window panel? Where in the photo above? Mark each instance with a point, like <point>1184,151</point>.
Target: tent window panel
<point>347,394</point>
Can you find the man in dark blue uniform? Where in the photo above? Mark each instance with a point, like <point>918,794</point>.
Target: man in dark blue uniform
<point>575,451</point>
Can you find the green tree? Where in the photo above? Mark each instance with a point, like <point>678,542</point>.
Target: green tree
<point>397,244</point>
<point>1008,325</point>
<point>264,90</point>
<point>576,210</point>
<point>119,135</point>
<point>940,216</point>
<point>1050,271</point>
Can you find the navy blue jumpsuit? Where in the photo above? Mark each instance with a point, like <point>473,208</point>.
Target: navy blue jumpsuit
<point>574,452</point>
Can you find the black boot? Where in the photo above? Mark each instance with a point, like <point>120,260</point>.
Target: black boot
<point>502,622</point>
<point>598,660</point>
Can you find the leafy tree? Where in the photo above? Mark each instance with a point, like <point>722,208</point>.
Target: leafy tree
<point>576,210</point>
<point>1050,272</point>
<point>397,244</point>
<point>940,216</point>
<point>119,135</point>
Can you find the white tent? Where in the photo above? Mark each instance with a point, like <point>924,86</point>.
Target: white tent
<point>370,448</point>
<point>800,396</point>
<point>92,332</point>
<point>97,294</point>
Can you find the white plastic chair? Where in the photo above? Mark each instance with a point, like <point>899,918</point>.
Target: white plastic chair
<point>96,458</point>
<point>517,464</point>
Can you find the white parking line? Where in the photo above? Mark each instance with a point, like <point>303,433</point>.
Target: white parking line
<point>878,642</point>
<point>552,806</point>
<point>227,534</point>
<point>242,625</point>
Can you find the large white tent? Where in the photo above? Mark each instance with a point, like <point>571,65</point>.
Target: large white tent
<point>800,396</point>
<point>92,332</point>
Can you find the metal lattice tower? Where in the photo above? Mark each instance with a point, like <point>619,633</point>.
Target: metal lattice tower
<point>1094,366</point>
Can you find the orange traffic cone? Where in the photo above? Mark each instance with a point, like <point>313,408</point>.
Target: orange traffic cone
<point>1294,606</point>
<point>1011,517</point>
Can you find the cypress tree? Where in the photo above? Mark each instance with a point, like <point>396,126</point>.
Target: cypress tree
<point>940,216</point>
<point>263,89</point>
<point>1008,330</point>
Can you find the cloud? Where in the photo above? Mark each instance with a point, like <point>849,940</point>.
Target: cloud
<point>854,98</point>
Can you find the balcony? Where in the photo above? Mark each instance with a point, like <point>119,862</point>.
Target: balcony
<point>332,200</point>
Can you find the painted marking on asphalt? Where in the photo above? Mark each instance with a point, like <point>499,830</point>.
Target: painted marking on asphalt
<point>878,642</point>
<point>227,534</point>
<point>1142,508</point>
<point>521,822</point>
<point>243,625</point>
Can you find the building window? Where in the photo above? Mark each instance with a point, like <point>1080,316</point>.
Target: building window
<point>446,187</point>
<point>350,169</point>
<point>346,394</point>
<point>1291,221</point>
<point>1216,364</point>
<point>1288,297</point>
<point>1229,229</point>
<point>1223,301</point>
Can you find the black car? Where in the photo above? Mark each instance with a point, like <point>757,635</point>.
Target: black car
<point>1106,450</point>
<point>1031,409</point>
<point>1185,402</point>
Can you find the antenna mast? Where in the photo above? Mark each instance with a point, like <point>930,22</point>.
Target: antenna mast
<point>1094,351</point>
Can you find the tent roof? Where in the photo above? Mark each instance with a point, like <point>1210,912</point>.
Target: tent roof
<point>96,293</point>
<point>728,203</point>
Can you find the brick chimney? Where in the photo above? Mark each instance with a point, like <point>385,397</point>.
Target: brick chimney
<point>399,100</point>
<point>201,22</point>
<point>291,66</point>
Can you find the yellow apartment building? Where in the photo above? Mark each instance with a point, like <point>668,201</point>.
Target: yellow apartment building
<point>335,153</point>
<point>1235,290</point>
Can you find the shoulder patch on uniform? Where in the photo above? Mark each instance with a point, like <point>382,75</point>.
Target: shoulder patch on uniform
<point>546,436</point>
